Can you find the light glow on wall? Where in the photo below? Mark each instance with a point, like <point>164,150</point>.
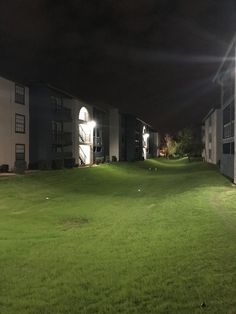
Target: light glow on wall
<point>92,124</point>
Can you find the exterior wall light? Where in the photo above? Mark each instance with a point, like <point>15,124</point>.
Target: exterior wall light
<point>92,124</point>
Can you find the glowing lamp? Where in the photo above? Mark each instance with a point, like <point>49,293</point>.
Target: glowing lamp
<point>146,135</point>
<point>92,124</point>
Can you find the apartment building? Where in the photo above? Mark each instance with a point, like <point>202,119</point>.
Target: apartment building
<point>211,136</point>
<point>14,123</point>
<point>44,125</point>
<point>100,134</point>
<point>61,127</point>
<point>225,77</point>
<point>130,138</point>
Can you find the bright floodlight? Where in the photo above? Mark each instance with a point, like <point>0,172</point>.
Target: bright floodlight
<point>146,135</point>
<point>92,124</point>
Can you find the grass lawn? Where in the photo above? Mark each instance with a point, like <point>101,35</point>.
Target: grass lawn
<point>119,238</point>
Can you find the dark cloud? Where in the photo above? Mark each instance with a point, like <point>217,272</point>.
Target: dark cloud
<point>153,58</point>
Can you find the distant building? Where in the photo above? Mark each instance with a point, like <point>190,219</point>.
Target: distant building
<point>131,138</point>
<point>61,127</point>
<point>14,123</point>
<point>101,134</point>
<point>48,127</point>
<point>211,136</point>
<point>225,77</point>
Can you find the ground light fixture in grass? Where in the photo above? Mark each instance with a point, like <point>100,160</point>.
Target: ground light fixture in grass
<point>98,245</point>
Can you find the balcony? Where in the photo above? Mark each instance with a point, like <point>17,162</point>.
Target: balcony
<point>62,138</point>
<point>62,113</point>
<point>84,134</point>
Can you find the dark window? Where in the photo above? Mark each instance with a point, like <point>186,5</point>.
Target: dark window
<point>227,130</point>
<point>57,133</point>
<point>57,103</point>
<point>56,148</point>
<point>232,148</point>
<point>210,121</point>
<point>19,123</point>
<point>228,121</point>
<point>19,94</point>
<point>226,148</point>
<point>210,137</point>
<point>232,128</point>
<point>226,115</point>
<point>57,127</point>
<point>209,153</point>
<point>20,152</point>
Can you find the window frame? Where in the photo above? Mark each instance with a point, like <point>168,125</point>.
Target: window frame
<point>23,145</point>
<point>17,100</point>
<point>18,131</point>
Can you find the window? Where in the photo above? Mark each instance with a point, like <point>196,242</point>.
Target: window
<point>210,138</point>
<point>57,148</point>
<point>57,136</point>
<point>57,127</point>
<point>209,154</point>
<point>19,123</point>
<point>20,152</point>
<point>19,94</point>
<point>57,103</point>
<point>210,121</point>
<point>226,115</point>
<point>226,148</point>
<point>232,148</point>
<point>228,121</point>
<point>227,130</point>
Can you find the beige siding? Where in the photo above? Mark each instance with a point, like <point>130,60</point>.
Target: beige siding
<point>212,137</point>
<point>8,109</point>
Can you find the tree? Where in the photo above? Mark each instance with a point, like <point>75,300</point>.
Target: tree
<point>170,146</point>
<point>188,143</point>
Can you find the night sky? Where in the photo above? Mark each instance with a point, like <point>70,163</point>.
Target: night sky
<point>153,58</point>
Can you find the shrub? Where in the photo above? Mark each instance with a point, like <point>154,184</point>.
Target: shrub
<point>113,158</point>
<point>69,162</point>
<point>4,168</point>
<point>99,160</point>
<point>20,166</point>
<point>44,165</point>
<point>33,166</point>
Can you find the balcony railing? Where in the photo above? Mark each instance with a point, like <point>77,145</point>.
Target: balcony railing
<point>62,138</point>
<point>84,137</point>
<point>62,113</point>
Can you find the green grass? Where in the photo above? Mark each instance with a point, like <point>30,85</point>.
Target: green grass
<point>99,245</point>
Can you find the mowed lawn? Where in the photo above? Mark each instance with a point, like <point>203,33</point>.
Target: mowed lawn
<point>119,238</point>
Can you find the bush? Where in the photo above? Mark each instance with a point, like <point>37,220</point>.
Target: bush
<point>4,168</point>
<point>33,166</point>
<point>20,166</point>
<point>113,158</point>
<point>44,165</point>
<point>99,160</point>
<point>69,162</point>
<point>58,164</point>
